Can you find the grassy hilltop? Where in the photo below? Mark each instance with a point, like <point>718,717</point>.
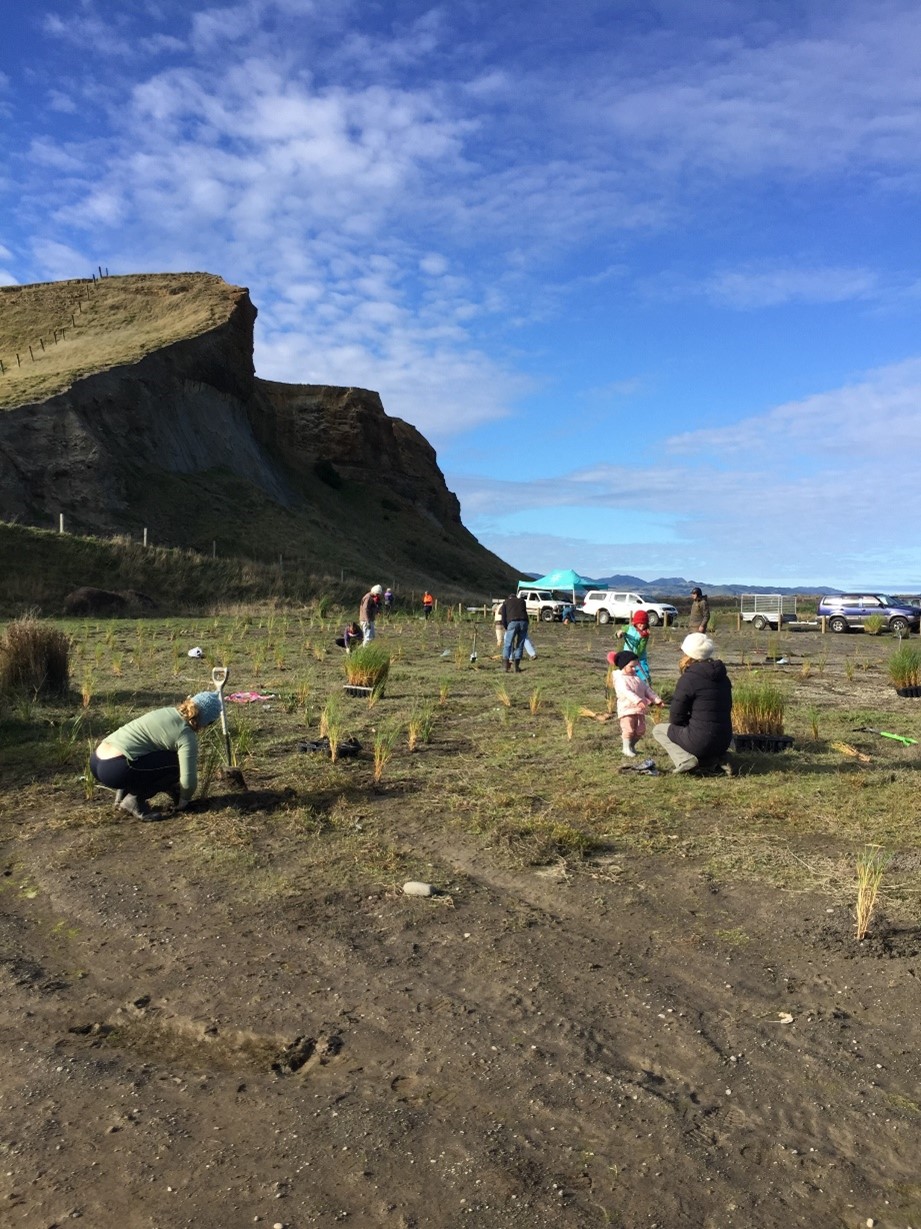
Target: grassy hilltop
<point>76,328</point>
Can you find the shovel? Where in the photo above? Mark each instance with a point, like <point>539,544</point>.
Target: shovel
<point>899,738</point>
<point>476,628</point>
<point>233,776</point>
<point>219,676</point>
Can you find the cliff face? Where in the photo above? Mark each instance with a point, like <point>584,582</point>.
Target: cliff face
<point>347,427</point>
<point>182,409</point>
<point>187,430</point>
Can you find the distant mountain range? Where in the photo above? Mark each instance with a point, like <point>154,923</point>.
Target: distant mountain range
<point>677,586</point>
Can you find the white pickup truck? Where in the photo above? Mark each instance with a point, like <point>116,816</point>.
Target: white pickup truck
<point>541,604</point>
<point>607,606</point>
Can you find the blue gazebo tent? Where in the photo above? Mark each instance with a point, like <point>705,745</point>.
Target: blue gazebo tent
<point>562,580</point>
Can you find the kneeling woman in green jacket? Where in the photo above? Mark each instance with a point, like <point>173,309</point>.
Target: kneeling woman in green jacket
<point>155,753</point>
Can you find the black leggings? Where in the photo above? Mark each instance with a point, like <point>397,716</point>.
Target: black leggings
<point>147,775</point>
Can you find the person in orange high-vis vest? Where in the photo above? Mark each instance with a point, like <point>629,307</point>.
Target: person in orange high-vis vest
<point>427,603</point>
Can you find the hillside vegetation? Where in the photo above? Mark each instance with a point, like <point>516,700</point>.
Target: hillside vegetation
<point>39,568</point>
<point>80,327</point>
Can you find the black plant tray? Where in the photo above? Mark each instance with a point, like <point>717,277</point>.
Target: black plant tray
<point>762,742</point>
<point>352,689</point>
<point>910,693</point>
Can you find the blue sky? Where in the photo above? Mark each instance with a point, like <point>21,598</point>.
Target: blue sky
<point>647,275</point>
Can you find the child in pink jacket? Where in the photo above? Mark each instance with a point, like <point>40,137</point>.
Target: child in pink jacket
<point>634,696</point>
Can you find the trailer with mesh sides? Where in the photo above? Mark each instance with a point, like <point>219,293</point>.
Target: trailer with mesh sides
<point>763,610</point>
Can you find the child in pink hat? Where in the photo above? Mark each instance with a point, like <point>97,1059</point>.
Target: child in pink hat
<point>634,696</point>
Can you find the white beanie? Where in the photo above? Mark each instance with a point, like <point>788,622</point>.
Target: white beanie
<point>376,590</point>
<point>698,646</point>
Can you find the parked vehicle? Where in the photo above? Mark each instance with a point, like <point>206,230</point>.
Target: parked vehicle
<point>763,610</point>
<point>607,606</point>
<point>848,610</point>
<point>542,604</point>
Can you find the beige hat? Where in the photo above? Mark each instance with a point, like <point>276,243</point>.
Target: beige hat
<point>377,590</point>
<point>698,646</point>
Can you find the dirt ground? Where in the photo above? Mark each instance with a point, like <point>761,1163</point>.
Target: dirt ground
<point>628,1043</point>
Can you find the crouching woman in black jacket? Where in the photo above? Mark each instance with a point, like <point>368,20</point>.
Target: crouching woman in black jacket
<point>699,728</point>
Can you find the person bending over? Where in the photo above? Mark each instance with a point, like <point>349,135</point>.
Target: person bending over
<point>156,753</point>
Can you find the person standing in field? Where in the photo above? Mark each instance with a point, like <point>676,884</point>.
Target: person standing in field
<point>367,612</point>
<point>699,618</point>
<point>634,696</point>
<point>514,613</point>
<point>636,640</point>
<point>428,604</point>
<point>497,621</point>
<point>388,601</point>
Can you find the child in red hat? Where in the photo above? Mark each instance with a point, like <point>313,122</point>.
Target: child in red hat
<point>636,638</point>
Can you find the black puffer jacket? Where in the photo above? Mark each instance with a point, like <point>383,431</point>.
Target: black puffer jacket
<point>700,714</point>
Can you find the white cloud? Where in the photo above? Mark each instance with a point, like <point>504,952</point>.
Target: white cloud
<point>63,103</point>
<point>746,107</point>
<point>872,418</point>
<point>59,261</point>
<point>97,33</point>
<point>756,288</point>
<point>52,154</point>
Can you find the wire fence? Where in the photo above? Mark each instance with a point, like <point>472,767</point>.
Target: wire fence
<point>36,347</point>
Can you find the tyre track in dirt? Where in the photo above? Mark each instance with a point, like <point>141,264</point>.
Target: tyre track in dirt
<point>547,1052</point>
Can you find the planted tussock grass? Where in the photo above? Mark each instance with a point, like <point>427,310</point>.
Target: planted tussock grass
<point>368,665</point>
<point>872,864</point>
<point>904,666</point>
<point>34,658</point>
<point>385,741</point>
<point>758,704</point>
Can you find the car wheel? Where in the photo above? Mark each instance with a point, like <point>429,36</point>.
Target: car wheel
<point>759,623</point>
<point>654,619</point>
<point>546,615</point>
<point>838,624</point>
<point>603,616</point>
<point>898,625</point>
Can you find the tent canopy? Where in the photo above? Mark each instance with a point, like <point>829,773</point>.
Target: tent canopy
<point>562,578</point>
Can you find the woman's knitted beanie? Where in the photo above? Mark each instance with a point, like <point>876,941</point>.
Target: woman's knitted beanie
<point>208,704</point>
<point>698,646</point>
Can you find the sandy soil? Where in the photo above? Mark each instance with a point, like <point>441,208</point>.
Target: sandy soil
<point>628,1044</point>
<point>633,1046</point>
